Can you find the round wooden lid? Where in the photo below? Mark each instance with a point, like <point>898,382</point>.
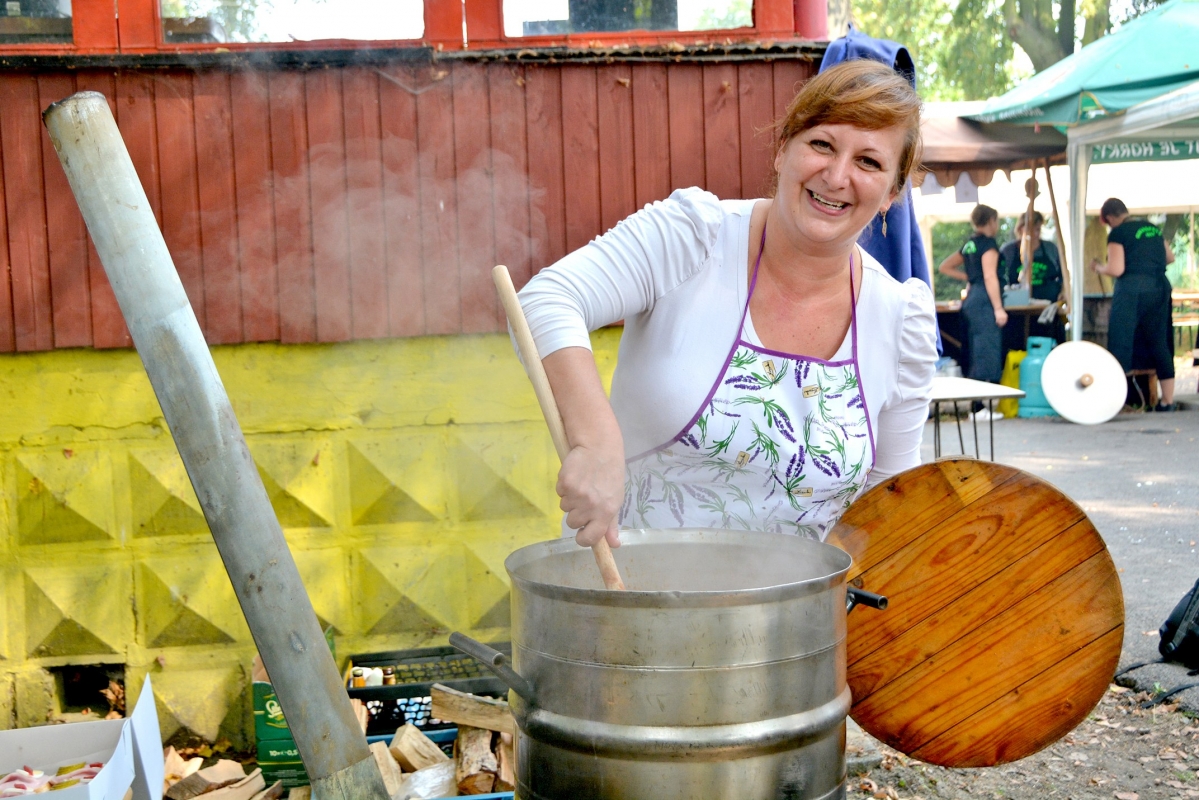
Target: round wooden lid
<point>1005,619</point>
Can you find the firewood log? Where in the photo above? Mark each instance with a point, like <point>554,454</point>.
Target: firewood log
<point>505,756</point>
<point>475,765</point>
<point>413,750</point>
<point>223,773</point>
<point>388,768</point>
<point>470,709</point>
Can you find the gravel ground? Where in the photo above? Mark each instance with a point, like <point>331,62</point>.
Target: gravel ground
<point>1121,751</point>
<point>1136,478</point>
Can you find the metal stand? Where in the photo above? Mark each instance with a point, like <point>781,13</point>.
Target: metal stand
<point>958,420</point>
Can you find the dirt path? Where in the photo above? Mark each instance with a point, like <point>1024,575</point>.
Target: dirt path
<point>1121,751</point>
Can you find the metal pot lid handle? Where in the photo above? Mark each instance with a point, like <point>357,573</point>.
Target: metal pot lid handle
<point>495,661</point>
<point>861,597</point>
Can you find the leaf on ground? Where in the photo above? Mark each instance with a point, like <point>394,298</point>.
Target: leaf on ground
<point>1127,796</point>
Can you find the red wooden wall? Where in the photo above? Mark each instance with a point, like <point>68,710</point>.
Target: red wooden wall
<point>330,204</point>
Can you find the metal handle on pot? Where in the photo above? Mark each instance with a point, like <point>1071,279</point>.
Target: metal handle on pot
<point>861,597</point>
<point>495,661</point>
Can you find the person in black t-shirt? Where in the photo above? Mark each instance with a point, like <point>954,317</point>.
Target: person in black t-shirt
<point>1046,278</point>
<point>977,263</point>
<point>1046,281</point>
<point>1137,255</point>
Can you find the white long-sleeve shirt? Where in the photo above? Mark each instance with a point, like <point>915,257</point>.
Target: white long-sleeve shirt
<point>676,272</point>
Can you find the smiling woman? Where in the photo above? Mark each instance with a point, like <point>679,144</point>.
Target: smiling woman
<point>769,369</point>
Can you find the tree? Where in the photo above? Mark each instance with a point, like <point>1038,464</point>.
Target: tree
<point>961,50</point>
<point>964,48</point>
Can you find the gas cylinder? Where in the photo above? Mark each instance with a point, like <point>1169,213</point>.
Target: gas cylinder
<point>1034,404</point>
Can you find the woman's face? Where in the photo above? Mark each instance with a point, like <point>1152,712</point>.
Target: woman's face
<point>834,178</point>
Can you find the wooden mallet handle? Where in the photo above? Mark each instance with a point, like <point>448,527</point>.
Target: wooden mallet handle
<point>545,397</point>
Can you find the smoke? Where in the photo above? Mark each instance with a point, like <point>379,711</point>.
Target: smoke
<point>368,202</point>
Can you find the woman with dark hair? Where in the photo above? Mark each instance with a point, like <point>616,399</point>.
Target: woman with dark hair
<point>1137,256</point>
<point>977,263</point>
<point>769,368</point>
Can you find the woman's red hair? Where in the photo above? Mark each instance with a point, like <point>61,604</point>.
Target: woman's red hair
<point>861,93</point>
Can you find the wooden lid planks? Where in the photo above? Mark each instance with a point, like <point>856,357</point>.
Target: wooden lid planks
<point>1005,621</point>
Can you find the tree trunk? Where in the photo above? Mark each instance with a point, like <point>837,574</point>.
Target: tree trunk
<point>1065,27</point>
<point>1098,20</point>
<point>1025,29</point>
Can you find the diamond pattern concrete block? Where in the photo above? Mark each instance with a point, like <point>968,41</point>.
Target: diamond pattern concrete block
<point>487,592</point>
<point>64,496</point>
<point>33,696</point>
<point>8,706</point>
<point>500,473</point>
<point>326,578</point>
<point>411,589</point>
<point>188,600</point>
<point>7,508</point>
<point>298,476</point>
<point>163,501</point>
<point>10,588</point>
<point>78,611</point>
<point>197,700</point>
<point>399,478</point>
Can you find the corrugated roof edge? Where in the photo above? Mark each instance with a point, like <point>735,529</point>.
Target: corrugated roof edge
<point>673,52</point>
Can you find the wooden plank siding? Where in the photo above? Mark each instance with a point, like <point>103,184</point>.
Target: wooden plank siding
<point>337,203</point>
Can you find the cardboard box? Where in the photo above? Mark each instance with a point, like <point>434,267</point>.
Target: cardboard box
<point>280,761</point>
<point>268,715</point>
<point>130,748</point>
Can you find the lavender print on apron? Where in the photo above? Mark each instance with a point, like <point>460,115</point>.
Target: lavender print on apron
<point>782,443</point>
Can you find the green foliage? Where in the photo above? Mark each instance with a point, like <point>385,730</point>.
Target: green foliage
<point>961,50</point>
<point>1131,9</point>
<point>947,238</point>
<point>1179,273</point>
<point>965,49</point>
<point>239,18</point>
<point>733,14</point>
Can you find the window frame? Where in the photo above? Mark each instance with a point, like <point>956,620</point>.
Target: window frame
<point>132,27</point>
<point>773,19</point>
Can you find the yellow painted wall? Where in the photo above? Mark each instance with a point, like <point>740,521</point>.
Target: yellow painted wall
<point>403,472</point>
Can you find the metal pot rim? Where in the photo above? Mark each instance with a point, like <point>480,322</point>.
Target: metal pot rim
<point>679,599</point>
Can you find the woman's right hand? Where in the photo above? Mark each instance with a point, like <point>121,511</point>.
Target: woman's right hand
<point>591,485</point>
<point>1000,317</point>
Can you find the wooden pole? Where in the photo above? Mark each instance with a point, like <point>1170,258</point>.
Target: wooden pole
<point>201,420</point>
<point>1061,242</point>
<point>1030,188</point>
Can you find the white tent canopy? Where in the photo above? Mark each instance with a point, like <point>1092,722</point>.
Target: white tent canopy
<point>1173,116</point>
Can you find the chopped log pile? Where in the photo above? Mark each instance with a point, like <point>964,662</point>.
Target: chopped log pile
<point>413,766</point>
<point>224,780</point>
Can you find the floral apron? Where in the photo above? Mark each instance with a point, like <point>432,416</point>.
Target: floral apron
<point>782,443</point>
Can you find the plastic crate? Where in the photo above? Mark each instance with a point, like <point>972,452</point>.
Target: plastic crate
<point>409,701</point>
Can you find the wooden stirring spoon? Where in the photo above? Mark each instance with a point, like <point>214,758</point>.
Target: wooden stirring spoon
<point>549,407</point>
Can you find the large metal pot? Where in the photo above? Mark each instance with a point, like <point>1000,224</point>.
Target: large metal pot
<point>719,674</point>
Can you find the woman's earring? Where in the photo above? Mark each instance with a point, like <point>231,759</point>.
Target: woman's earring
<point>884,225</point>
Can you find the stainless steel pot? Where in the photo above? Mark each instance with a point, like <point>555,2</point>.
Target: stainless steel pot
<point>719,674</point>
